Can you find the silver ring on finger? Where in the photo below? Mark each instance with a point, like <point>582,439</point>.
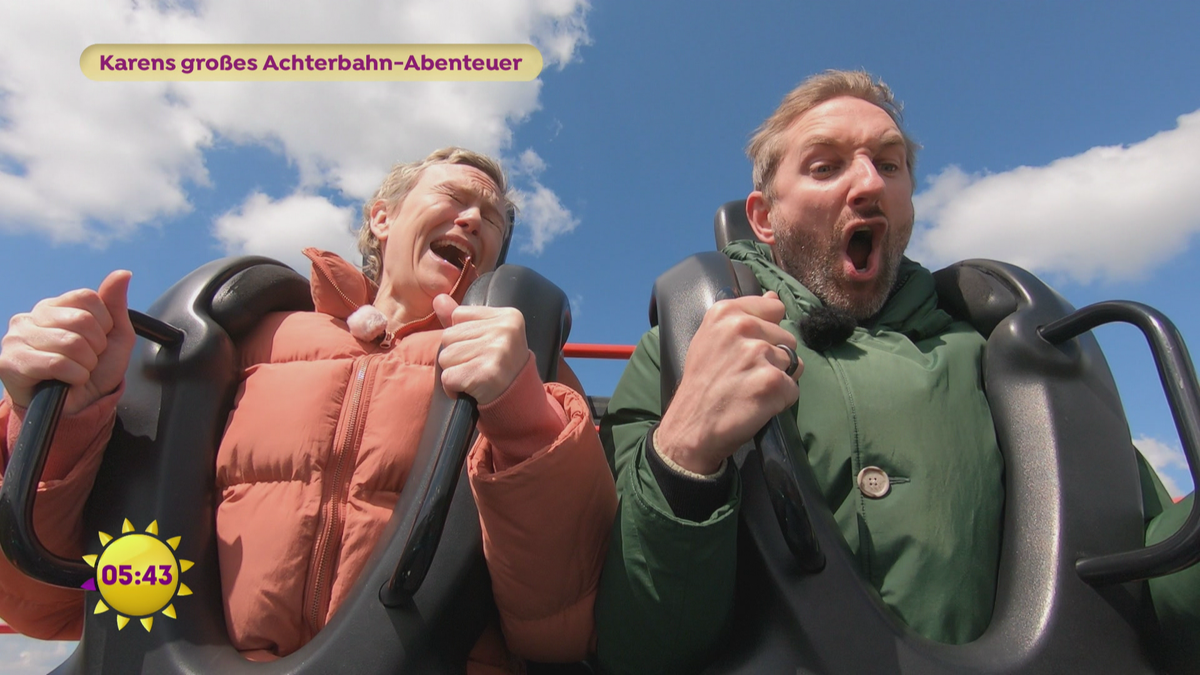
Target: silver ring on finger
<point>793,360</point>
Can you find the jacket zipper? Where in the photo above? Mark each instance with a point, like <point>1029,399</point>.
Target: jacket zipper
<point>330,532</point>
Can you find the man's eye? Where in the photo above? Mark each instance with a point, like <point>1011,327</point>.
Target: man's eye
<point>823,169</point>
<point>889,167</point>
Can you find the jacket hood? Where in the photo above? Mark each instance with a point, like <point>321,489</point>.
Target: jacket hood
<point>911,308</point>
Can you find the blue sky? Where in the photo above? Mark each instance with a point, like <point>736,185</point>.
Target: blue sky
<point>1060,136</point>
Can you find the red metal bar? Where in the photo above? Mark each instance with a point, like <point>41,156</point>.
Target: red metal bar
<point>586,351</point>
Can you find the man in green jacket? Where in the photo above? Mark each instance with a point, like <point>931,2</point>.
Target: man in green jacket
<point>892,411</point>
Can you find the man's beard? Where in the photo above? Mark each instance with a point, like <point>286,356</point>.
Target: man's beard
<point>815,260</point>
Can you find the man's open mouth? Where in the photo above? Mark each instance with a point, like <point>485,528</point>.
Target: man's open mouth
<point>859,249</point>
<point>453,252</point>
<point>862,247</point>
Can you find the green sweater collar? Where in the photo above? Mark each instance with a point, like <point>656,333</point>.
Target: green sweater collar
<point>911,309</point>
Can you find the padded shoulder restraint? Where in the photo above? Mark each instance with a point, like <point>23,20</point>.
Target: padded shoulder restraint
<point>731,224</point>
<point>160,464</point>
<point>1072,492</point>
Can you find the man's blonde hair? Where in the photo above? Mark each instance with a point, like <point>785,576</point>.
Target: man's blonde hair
<point>400,181</point>
<point>767,147</point>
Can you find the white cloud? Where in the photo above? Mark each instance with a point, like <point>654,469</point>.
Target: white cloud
<point>542,215</point>
<point>529,163</point>
<point>1168,460</point>
<point>1111,212</point>
<point>576,301</point>
<point>85,161</point>
<point>280,229</point>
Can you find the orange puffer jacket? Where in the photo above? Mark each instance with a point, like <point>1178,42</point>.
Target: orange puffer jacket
<point>316,450</point>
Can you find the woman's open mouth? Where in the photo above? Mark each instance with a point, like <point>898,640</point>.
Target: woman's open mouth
<point>453,252</point>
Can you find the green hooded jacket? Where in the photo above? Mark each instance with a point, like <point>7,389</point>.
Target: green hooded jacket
<point>903,394</point>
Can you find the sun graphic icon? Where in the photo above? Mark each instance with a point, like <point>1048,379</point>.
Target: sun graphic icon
<point>137,575</point>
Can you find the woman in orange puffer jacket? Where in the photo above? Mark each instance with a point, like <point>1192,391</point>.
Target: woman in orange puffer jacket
<point>326,423</point>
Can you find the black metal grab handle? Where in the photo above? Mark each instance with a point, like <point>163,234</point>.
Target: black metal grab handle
<point>422,543</point>
<point>783,486</point>
<point>547,323</point>
<point>681,296</point>
<point>18,539</point>
<point>1178,377</point>
<point>787,499</point>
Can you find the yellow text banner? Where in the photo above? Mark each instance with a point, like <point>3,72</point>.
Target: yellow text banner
<point>310,63</point>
